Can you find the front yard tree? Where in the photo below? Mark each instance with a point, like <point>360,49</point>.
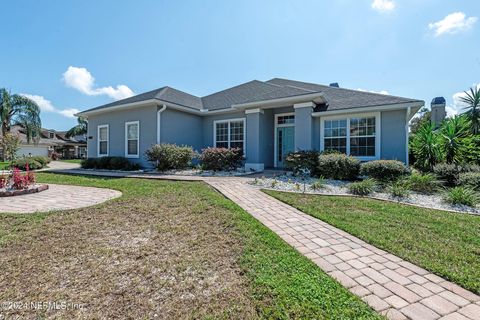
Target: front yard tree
<point>472,100</point>
<point>18,109</point>
<point>10,144</point>
<point>80,129</point>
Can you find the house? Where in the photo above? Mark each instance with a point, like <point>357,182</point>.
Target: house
<point>267,119</point>
<point>49,142</point>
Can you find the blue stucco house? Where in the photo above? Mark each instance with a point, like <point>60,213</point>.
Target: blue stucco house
<point>267,119</point>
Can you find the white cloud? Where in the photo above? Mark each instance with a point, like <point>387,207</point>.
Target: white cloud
<point>372,91</point>
<point>82,80</point>
<point>453,23</point>
<point>47,106</point>
<point>458,106</point>
<point>383,5</point>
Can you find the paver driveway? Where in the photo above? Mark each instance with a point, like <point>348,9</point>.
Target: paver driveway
<point>389,284</point>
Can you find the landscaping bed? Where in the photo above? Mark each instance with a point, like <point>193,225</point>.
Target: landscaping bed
<point>176,250</point>
<point>29,190</point>
<point>291,183</point>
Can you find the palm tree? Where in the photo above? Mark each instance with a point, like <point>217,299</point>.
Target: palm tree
<point>472,99</point>
<point>426,147</point>
<point>18,109</point>
<point>80,129</point>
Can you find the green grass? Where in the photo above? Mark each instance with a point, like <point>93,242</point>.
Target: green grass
<point>4,165</point>
<point>280,282</point>
<point>72,160</point>
<point>445,243</point>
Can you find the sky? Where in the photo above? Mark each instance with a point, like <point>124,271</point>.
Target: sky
<point>74,55</point>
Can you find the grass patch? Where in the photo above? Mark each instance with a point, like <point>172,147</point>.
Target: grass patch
<point>176,249</point>
<point>71,160</point>
<point>4,165</point>
<point>443,242</point>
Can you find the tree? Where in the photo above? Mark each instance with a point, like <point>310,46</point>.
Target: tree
<point>452,134</point>
<point>10,144</point>
<point>426,147</point>
<point>423,117</point>
<point>472,100</point>
<point>80,129</point>
<point>18,109</point>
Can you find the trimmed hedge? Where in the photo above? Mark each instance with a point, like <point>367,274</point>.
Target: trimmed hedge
<point>218,159</point>
<point>384,170</point>
<point>21,164</point>
<point>110,163</point>
<point>168,156</point>
<point>338,166</point>
<point>302,160</point>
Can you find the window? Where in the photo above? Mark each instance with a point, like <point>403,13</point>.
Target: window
<point>102,140</point>
<point>132,139</point>
<point>51,135</point>
<point>230,133</point>
<point>335,135</point>
<point>355,136</point>
<point>288,119</point>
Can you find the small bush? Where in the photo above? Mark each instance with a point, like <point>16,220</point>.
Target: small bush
<point>110,163</point>
<point>469,179</point>
<point>318,184</point>
<point>302,160</point>
<point>168,156</point>
<point>399,189</point>
<point>218,159</point>
<point>461,195</point>
<point>384,170</point>
<point>450,173</point>
<point>423,183</point>
<point>42,160</point>
<point>338,166</point>
<point>21,164</point>
<point>362,188</point>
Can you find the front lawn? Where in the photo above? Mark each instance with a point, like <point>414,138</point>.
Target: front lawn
<point>171,249</point>
<point>72,160</point>
<point>445,243</point>
<point>4,165</point>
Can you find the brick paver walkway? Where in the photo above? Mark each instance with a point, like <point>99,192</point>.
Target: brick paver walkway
<point>392,286</point>
<point>57,197</point>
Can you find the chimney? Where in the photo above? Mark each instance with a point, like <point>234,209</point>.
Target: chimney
<point>334,84</point>
<point>438,111</point>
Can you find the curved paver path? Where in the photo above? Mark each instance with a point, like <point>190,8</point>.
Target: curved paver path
<point>392,286</point>
<point>57,197</point>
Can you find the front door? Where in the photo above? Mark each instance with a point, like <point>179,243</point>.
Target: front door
<point>285,143</point>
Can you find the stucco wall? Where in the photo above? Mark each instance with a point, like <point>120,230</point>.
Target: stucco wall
<point>181,128</point>
<point>116,122</point>
<point>393,138</point>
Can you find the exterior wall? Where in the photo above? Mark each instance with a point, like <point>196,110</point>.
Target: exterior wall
<point>181,128</point>
<point>147,117</point>
<point>25,151</point>
<point>207,125</point>
<point>393,135</point>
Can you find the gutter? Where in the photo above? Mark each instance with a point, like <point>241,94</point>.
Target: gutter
<point>396,106</point>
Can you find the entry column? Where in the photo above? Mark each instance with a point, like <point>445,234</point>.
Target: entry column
<point>254,160</point>
<point>303,125</point>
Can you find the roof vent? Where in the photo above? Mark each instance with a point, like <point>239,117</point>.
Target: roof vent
<point>334,84</point>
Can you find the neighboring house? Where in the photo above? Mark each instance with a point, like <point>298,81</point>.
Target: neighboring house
<point>266,119</point>
<point>51,141</point>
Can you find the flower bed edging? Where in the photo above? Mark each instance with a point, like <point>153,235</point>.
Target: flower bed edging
<point>13,193</point>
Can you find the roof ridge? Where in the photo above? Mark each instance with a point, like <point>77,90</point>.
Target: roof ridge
<point>238,85</point>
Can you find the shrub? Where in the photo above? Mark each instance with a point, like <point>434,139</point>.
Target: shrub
<point>318,184</point>
<point>448,173</point>
<point>469,179</point>
<point>218,159</point>
<point>24,162</point>
<point>42,160</point>
<point>399,189</point>
<point>110,163</point>
<point>362,188</point>
<point>302,160</point>
<point>338,166</point>
<point>384,170</point>
<point>423,183</point>
<point>461,195</point>
<point>4,179</point>
<point>168,156</point>
<point>19,181</point>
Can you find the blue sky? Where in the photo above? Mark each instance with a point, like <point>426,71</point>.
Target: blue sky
<point>73,55</point>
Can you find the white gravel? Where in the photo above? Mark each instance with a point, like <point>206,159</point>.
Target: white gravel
<point>291,183</point>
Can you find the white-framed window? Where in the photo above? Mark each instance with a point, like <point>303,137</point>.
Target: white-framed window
<point>51,135</point>
<point>229,133</point>
<point>132,139</point>
<point>355,135</point>
<point>103,140</point>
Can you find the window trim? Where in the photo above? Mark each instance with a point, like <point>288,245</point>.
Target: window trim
<point>98,140</point>
<point>137,155</point>
<point>229,138</point>
<point>378,132</point>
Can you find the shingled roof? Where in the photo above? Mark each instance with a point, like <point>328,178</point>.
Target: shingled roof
<point>253,91</point>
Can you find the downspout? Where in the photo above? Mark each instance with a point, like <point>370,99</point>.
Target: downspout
<point>159,112</point>
<point>407,133</point>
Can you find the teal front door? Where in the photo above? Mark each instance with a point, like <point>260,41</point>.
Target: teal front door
<point>285,143</point>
